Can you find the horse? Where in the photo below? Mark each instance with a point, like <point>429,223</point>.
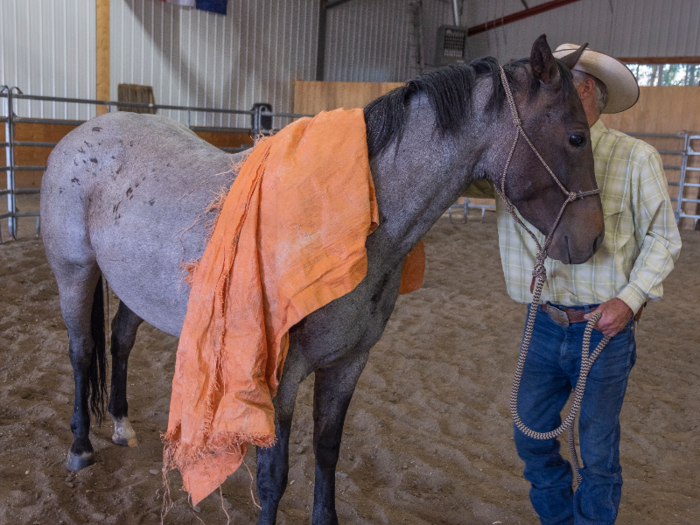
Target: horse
<point>127,196</point>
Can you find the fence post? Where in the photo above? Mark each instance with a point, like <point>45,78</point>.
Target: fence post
<point>10,160</point>
<point>5,105</point>
<point>255,124</point>
<point>681,182</point>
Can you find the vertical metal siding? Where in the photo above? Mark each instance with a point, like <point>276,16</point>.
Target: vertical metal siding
<point>627,28</point>
<point>48,48</point>
<point>435,14</point>
<point>196,58</point>
<point>368,41</point>
<point>254,53</point>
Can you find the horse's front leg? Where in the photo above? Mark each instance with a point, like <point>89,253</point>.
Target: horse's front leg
<point>124,328</point>
<point>273,462</point>
<point>333,389</point>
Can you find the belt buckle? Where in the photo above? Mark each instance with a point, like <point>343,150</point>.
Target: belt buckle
<point>558,316</point>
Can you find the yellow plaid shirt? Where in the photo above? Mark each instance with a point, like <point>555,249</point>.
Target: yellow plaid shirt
<point>641,237</point>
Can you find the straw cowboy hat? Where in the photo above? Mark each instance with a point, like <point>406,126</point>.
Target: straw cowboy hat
<point>623,90</point>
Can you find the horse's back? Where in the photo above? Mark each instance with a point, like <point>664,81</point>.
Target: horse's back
<point>127,192</point>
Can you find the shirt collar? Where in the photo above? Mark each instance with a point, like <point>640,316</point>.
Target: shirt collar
<point>597,131</point>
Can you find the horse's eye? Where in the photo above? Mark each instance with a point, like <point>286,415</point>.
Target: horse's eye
<point>577,140</point>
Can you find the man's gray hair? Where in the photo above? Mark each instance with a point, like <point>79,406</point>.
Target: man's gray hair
<point>601,92</point>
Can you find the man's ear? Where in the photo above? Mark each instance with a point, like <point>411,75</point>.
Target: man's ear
<point>542,61</point>
<point>586,88</point>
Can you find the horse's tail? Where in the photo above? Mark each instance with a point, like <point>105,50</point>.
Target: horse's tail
<point>97,384</point>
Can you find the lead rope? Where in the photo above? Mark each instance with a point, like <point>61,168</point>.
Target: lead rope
<point>539,276</point>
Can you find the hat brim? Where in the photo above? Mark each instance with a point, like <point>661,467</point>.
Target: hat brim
<point>623,90</point>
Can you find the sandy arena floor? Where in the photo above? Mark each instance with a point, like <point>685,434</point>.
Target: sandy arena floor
<point>428,435</point>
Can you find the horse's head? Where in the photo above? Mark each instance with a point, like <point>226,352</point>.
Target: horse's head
<point>554,119</point>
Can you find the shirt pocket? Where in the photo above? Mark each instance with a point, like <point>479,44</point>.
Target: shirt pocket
<point>613,213</point>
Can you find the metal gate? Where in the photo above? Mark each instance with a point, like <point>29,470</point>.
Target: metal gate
<point>691,154</point>
<point>685,154</point>
<point>260,117</point>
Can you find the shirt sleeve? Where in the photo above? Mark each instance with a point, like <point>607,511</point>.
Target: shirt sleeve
<point>656,233</point>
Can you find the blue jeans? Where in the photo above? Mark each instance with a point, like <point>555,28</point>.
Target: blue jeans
<point>551,368</point>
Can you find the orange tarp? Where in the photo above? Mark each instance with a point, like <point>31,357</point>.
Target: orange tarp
<point>290,239</point>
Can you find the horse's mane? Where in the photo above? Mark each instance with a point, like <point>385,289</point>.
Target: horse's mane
<point>449,91</point>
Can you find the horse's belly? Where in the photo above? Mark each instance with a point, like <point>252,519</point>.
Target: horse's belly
<point>127,191</point>
<point>147,232</point>
<point>142,256</point>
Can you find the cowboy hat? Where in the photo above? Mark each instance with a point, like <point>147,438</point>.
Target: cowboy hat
<point>623,90</point>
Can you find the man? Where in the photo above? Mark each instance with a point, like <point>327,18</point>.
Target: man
<point>640,247</point>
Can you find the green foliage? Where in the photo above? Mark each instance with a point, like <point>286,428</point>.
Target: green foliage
<point>666,74</point>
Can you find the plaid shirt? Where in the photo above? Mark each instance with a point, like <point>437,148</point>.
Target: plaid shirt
<point>641,237</point>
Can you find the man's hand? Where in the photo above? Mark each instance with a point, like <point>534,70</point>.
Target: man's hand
<point>616,315</point>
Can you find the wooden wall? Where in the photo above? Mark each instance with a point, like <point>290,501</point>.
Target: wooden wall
<point>311,97</point>
<point>666,109</point>
<point>31,156</point>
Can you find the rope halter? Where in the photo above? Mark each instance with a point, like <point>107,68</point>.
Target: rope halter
<point>571,196</point>
<point>539,276</point>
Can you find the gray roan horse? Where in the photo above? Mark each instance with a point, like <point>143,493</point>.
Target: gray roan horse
<point>122,191</point>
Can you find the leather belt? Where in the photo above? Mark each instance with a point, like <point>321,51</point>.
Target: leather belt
<point>569,316</point>
<point>564,316</point>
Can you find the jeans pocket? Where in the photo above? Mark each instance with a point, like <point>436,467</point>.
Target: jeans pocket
<point>616,359</point>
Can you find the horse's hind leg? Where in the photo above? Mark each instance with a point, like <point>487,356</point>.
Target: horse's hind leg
<point>80,291</point>
<point>333,391</point>
<point>124,328</point>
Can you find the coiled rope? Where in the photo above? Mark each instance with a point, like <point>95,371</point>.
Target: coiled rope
<point>539,276</point>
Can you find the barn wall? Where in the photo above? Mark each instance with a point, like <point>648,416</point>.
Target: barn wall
<point>195,58</point>
<point>48,48</point>
<point>311,97</point>
<point>191,57</point>
<point>369,41</point>
<point>435,14</point>
<point>624,28</point>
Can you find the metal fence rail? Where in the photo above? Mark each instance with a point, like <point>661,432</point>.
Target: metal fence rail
<point>690,152</point>
<point>685,152</point>
<point>260,115</point>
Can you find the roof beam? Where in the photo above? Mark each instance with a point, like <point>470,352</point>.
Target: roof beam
<point>520,15</point>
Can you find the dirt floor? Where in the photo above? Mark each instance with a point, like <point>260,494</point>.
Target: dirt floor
<point>428,435</point>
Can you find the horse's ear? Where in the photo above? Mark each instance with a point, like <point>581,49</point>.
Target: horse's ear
<point>571,59</point>
<point>542,61</point>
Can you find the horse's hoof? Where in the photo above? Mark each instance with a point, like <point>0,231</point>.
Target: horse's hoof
<point>124,434</point>
<point>133,442</point>
<point>77,462</point>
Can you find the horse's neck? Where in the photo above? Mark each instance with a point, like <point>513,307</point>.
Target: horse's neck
<point>427,173</point>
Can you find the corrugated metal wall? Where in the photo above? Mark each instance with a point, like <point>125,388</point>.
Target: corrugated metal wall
<point>435,14</point>
<point>369,41</point>
<point>196,58</point>
<point>48,48</point>
<point>624,28</point>
<point>254,53</point>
